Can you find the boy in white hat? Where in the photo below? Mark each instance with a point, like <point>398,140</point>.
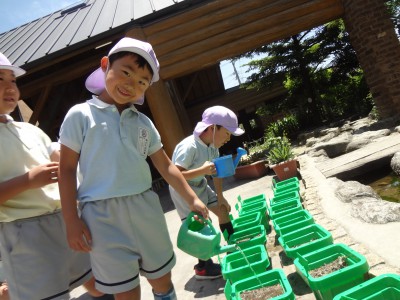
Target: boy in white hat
<point>122,223</point>
<point>193,157</point>
<point>37,261</point>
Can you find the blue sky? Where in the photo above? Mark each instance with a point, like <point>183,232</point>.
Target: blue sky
<point>18,12</point>
<point>15,13</point>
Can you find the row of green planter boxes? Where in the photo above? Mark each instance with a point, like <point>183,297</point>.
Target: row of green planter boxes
<point>332,271</point>
<point>308,244</point>
<point>246,269</point>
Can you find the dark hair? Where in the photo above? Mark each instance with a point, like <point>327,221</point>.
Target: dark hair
<point>140,60</point>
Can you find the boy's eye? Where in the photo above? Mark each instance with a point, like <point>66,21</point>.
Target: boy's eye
<point>127,73</point>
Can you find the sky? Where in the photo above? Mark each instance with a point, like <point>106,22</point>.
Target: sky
<point>18,12</point>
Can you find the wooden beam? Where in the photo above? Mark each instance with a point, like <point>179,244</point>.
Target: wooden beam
<point>40,104</point>
<point>307,11</point>
<point>239,41</point>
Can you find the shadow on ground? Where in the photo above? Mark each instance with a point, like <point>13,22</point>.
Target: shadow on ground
<point>205,288</point>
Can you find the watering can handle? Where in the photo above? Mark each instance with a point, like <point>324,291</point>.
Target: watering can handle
<point>200,217</point>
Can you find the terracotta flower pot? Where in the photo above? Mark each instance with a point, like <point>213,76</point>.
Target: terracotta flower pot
<point>286,169</point>
<point>254,170</point>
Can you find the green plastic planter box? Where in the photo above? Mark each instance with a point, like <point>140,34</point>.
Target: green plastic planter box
<point>276,184</point>
<point>255,207</point>
<point>284,197</point>
<point>382,287</point>
<point>255,236</point>
<point>252,200</point>
<point>247,220</point>
<point>330,285</point>
<point>237,265</point>
<point>283,208</point>
<point>305,240</point>
<point>291,222</point>
<point>268,278</point>
<point>293,186</point>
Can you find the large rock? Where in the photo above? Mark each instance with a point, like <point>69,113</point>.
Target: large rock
<point>360,140</point>
<point>395,163</point>
<point>348,191</point>
<point>366,204</point>
<point>335,146</point>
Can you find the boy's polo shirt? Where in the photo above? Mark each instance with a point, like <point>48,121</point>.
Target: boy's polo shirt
<point>191,153</point>
<point>113,149</point>
<point>22,147</point>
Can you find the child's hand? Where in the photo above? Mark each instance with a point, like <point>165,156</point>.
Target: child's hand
<point>78,235</point>
<point>199,207</point>
<point>209,168</point>
<point>43,175</point>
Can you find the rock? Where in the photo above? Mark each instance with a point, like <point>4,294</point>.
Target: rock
<point>348,191</point>
<point>335,146</point>
<point>375,211</point>
<point>395,163</point>
<point>362,139</point>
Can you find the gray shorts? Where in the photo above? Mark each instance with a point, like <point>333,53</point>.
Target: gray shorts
<point>38,264</point>
<point>130,237</point>
<point>202,190</point>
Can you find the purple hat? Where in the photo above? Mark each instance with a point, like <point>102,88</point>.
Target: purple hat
<point>5,64</point>
<point>95,83</point>
<point>218,115</point>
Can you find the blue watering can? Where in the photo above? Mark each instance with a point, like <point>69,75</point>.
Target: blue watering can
<point>226,165</point>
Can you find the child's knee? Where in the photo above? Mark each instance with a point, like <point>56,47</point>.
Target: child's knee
<point>170,295</point>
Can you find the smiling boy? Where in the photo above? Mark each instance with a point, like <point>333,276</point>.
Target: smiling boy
<point>122,224</point>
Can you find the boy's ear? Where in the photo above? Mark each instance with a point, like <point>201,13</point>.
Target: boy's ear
<point>104,63</point>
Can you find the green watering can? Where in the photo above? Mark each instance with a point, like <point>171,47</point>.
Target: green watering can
<point>200,239</point>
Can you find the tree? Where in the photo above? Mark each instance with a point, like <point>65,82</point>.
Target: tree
<point>307,64</point>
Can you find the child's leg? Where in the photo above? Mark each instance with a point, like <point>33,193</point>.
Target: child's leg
<point>90,287</point>
<point>133,294</point>
<point>163,288</point>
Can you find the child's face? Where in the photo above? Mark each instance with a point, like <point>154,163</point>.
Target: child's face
<point>126,82</point>
<point>221,137</point>
<point>9,92</point>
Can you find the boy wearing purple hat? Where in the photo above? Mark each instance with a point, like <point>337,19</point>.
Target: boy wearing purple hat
<point>122,224</point>
<point>37,261</point>
<point>193,157</point>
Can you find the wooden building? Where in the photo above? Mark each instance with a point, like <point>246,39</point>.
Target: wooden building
<point>190,38</point>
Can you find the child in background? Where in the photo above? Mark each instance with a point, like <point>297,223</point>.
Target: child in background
<point>193,157</point>
<point>122,224</point>
<point>36,258</point>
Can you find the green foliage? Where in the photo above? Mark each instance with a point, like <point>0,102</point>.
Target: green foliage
<point>286,126</point>
<point>282,151</point>
<point>256,152</point>
<point>320,71</point>
<point>374,114</point>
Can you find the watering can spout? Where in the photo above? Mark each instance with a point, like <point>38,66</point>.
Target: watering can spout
<point>227,248</point>
<point>240,153</point>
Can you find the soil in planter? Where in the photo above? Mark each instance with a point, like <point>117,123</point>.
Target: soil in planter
<point>262,293</point>
<point>326,269</point>
<point>246,238</point>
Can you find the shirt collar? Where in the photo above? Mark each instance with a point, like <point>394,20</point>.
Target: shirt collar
<point>95,101</point>
<point>8,118</point>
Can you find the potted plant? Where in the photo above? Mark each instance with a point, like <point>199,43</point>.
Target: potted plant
<point>281,158</point>
<point>252,165</point>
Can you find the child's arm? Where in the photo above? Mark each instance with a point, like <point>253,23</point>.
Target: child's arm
<point>208,168</point>
<point>175,178</point>
<point>78,234</point>
<point>220,196</point>
<point>35,178</point>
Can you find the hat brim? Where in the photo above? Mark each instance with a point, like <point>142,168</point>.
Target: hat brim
<point>96,82</point>
<point>17,71</point>
<point>201,126</point>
